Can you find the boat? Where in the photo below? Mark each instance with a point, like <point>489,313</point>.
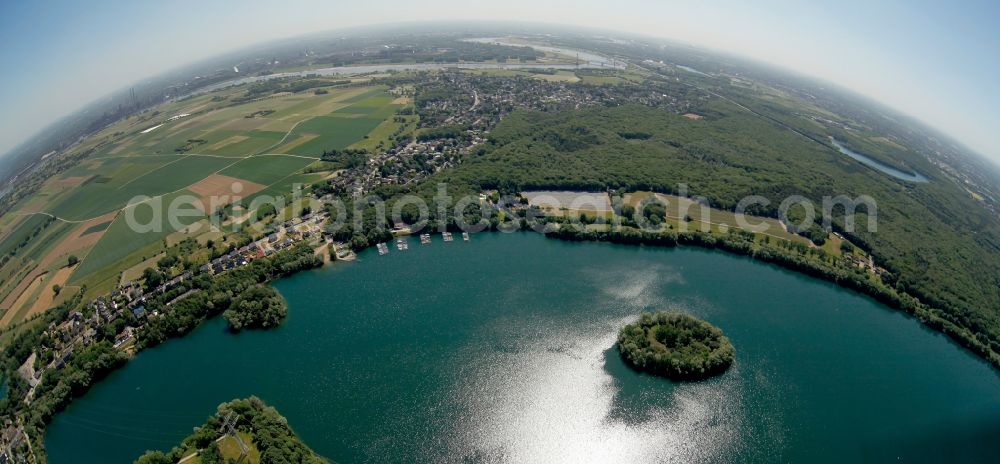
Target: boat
<point>425,239</point>
<point>383,249</point>
<point>447,236</point>
<point>465,236</point>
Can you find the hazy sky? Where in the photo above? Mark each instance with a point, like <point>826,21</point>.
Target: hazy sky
<point>936,60</point>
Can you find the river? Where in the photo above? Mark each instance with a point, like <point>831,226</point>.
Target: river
<point>587,61</point>
<point>585,58</point>
<point>501,350</point>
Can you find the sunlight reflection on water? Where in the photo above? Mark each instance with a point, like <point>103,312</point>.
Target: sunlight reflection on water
<point>567,397</point>
<point>549,403</point>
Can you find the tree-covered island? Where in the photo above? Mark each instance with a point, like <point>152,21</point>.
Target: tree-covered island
<point>676,346</point>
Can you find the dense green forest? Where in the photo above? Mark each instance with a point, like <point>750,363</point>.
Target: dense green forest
<point>937,243</point>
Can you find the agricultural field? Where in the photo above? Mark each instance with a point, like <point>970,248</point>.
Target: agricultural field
<point>337,131</point>
<point>116,183</point>
<point>266,169</point>
<point>235,143</point>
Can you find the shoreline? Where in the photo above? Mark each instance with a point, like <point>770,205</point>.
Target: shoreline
<point>928,316</point>
<point>765,254</point>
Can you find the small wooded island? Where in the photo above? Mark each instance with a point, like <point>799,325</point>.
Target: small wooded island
<point>676,346</point>
<point>259,307</point>
<point>247,431</point>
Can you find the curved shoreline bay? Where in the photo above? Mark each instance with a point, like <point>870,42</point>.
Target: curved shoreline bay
<point>502,349</point>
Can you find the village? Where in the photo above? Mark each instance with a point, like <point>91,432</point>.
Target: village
<point>476,103</point>
<point>406,165</point>
<point>127,302</point>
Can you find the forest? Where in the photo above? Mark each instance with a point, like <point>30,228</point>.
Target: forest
<point>936,243</point>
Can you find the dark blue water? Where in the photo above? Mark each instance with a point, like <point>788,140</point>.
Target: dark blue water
<point>501,350</point>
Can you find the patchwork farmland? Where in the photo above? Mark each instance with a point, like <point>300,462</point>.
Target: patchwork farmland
<point>75,232</point>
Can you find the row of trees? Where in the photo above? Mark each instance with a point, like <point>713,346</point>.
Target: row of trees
<point>348,158</point>
<point>273,86</point>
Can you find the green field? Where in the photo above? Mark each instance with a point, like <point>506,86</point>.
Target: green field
<point>374,104</point>
<point>332,133</point>
<point>266,169</point>
<point>231,135</point>
<point>255,142</point>
<point>384,133</point>
<point>23,231</point>
<point>601,80</point>
<point>713,219</point>
<point>286,185</point>
<point>47,240</point>
<point>122,179</point>
<point>121,241</point>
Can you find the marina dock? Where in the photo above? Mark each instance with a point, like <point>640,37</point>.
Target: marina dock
<point>403,244</point>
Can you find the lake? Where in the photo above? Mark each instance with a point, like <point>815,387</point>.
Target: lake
<point>501,349</point>
<point>877,165</point>
<point>692,70</point>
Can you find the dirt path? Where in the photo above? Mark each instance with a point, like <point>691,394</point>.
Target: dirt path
<point>324,251</point>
